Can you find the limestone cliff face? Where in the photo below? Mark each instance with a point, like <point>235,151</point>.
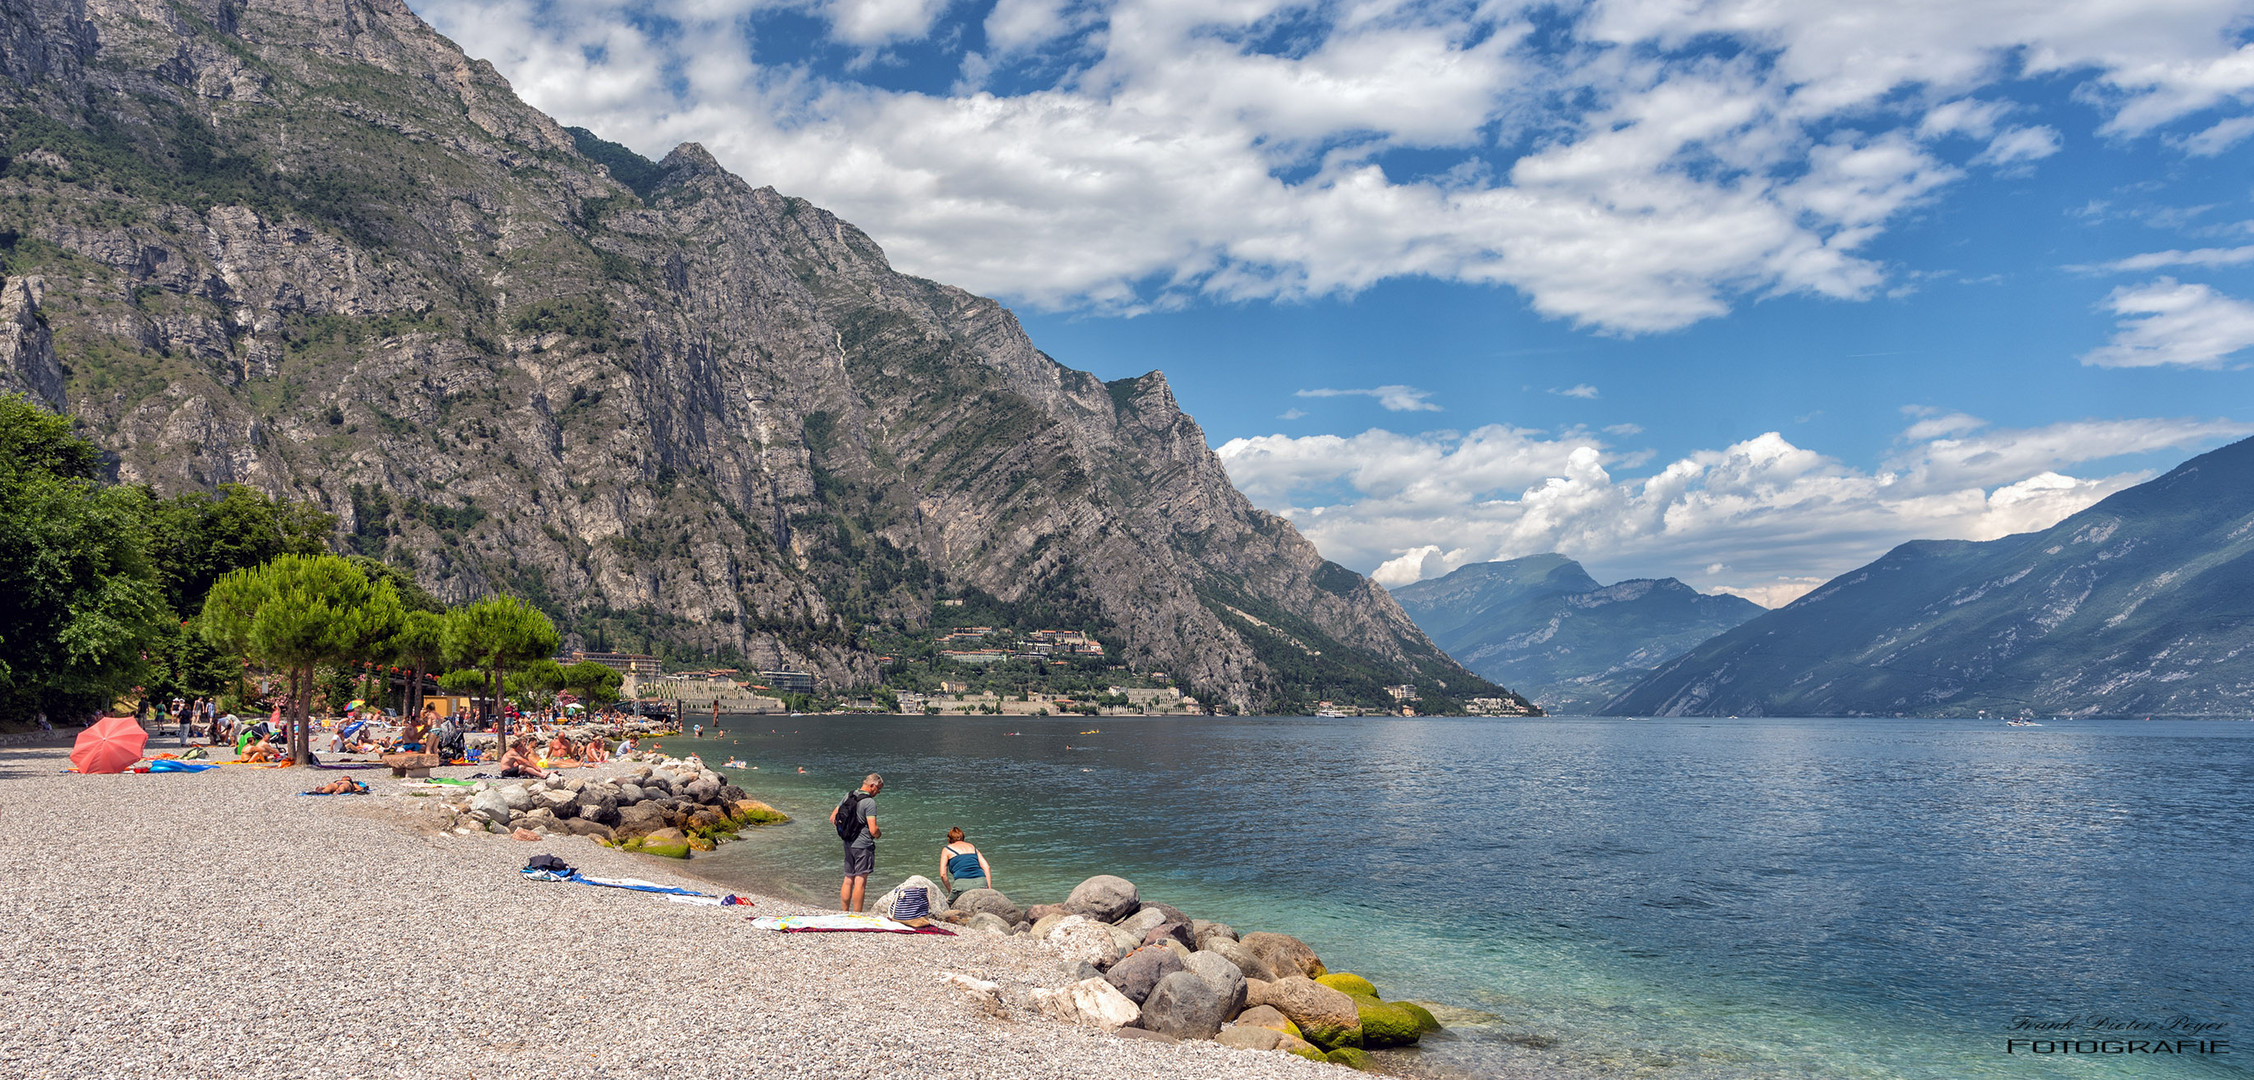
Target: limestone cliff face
<point>309,246</point>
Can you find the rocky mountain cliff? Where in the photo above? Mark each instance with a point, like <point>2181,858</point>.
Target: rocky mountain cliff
<point>1543,625</point>
<point>309,246</point>
<point>2140,605</point>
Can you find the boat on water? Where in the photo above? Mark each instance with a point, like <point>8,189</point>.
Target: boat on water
<point>2021,723</point>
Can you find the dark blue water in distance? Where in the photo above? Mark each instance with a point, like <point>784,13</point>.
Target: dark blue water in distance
<point>1587,897</point>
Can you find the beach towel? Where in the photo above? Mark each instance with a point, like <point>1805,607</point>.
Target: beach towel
<point>843,923</point>
<point>635,884</point>
<point>179,766</point>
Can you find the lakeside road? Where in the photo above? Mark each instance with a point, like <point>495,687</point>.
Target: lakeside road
<point>218,924</point>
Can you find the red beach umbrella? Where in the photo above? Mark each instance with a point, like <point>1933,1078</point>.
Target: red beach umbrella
<point>109,746</point>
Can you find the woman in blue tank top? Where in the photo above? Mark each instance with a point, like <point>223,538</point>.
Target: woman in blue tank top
<point>962,867</point>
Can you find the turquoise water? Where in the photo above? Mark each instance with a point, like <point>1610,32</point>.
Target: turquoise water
<point>1610,898</point>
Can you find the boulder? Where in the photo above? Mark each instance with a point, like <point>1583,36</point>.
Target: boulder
<point>704,791</point>
<point>1216,969</point>
<point>1169,912</point>
<point>1181,952</point>
<point>490,805</point>
<point>1384,1024</point>
<point>524,834</point>
<point>1248,1038</point>
<point>670,843</point>
<point>731,794</point>
<point>540,819</point>
<point>754,812</point>
<point>580,826</point>
<point>1293,1044</point>
<point>1346,982</point>
<point>1201,931</point>
<point>1080,939</point>
<point>1245,960</point>
<point>1353,1057</point>
<point>1127,942</point>
<point>1039,912</point>
<point>1284,954</point>
<point>706,820</point>
<point>1266,1016</point>
<point>517,796</point>
<point>1046,923</point>
<point>1425,1020</point>
<point>1139,971</point>
<point>641,818</point>
<point>1090,1002</point>
<point>1141,922</point>
<point>987,921</point>
<point>1169,931</point>
<point>1104,898</point>
<point>629,793</point>
<point>1325,1017</point>
<point>1254,988</point>
<point>559,803</point>
<point>1186,1006</point>
<point>990,902</point>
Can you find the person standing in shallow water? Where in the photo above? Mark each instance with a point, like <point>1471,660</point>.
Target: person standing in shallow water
<point>856,821</point>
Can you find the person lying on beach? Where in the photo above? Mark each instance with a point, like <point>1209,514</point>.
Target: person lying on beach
<point>518,761</point>
<point>343,785</point>
<point>261,751</point>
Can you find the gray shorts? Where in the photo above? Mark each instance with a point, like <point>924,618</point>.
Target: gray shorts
<point>859,861</point>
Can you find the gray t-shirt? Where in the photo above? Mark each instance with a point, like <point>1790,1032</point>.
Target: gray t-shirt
<point>865,809</point>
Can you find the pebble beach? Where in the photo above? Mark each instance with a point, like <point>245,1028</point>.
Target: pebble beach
<point>219,924</point>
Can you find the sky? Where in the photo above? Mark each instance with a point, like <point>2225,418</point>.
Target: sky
<point>1733,291</point>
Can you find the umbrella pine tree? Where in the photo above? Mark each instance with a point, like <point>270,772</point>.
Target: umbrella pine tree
<point>295,613</point>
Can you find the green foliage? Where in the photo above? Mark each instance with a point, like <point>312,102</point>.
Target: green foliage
<point>592,683</point>
<point>584,317</point>
<point>197,537</point>
<point>497,635</point>
<point>298,612</point>
<point>79,603</point>
<point>626,166</point>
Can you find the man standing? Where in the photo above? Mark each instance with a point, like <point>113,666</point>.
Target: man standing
<point>856,821</point>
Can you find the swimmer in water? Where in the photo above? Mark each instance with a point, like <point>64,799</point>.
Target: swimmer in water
<point>802,769</point>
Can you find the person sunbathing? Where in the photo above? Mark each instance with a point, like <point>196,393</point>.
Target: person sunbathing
<point>518,761</point>
<point>561,749</point>
<point>259,752</point>
<point>343,785</point>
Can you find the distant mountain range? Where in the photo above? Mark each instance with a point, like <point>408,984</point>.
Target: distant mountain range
<point>2140,605</point>
<point>1541,624</point>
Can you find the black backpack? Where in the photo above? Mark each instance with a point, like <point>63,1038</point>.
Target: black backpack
<point>849,824</point>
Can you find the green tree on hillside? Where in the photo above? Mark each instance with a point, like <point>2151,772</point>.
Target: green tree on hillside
<point>497,635</point>
<point>296,613</point>
<point>197,536</point>
<point>79,602</point>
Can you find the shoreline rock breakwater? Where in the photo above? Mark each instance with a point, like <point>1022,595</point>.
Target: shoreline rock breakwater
<point>656,805</point>
<point>1148,970</point>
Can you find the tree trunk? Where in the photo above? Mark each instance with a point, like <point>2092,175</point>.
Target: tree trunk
<point>301,709</point>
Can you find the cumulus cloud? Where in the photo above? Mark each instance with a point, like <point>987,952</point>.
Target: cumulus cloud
<point>1395,398</point>
<point>2165,323</point>
<point>1634,166</point>
<point>1762,518</point>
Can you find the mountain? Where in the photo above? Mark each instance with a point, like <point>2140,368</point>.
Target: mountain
<point>2140,605</point>
<point>313,248</point>
<point>1542,624</point>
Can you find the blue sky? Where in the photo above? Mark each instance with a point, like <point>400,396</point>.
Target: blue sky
<point>1738,292</point>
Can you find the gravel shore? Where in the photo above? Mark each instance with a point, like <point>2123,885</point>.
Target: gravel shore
<point>218,924</point>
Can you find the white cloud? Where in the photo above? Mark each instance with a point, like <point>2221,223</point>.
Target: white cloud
<point>2020,145</point>
<point>1152,151</point>
<point>1291,414</point>
<point>1395,398</point>
<point>2224,135</point>
<point>1779,519</point>
<point>2155,260</point>
<point>1582,390</point>
<point>2166,323</point>
<point>1624,430</point>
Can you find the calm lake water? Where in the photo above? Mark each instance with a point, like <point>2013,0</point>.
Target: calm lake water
<point>1690,899</point>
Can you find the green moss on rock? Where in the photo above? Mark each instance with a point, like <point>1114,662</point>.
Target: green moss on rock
<point>1347,982</point>
<point>1384,1023</point>
<point>1353,1057</point>
<point>1425,1020</point>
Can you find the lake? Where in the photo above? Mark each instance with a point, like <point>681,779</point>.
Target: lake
<point>1607,897</point>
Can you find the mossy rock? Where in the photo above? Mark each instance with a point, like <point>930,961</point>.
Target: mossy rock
<point>1304,1049</point>
<point>1425,1020</point>
<point>1384,1023</point>
<point>701,842</point>
<point>754,812</point>
<point>671,849</point>
<point>1329,1037</point>
<point>1353,1057</point>
<point>1346,982</point>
